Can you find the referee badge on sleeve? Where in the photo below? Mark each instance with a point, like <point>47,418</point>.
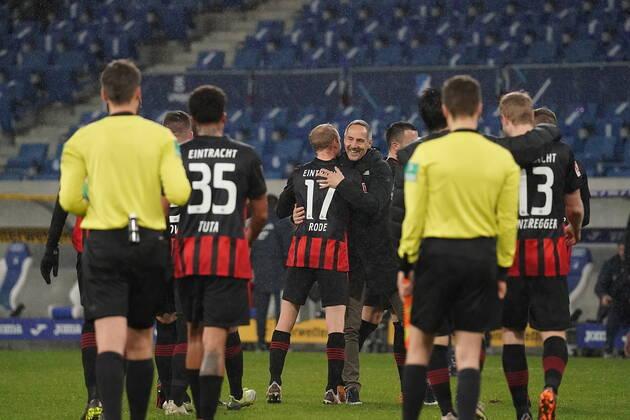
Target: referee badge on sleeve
<point>411,171</point>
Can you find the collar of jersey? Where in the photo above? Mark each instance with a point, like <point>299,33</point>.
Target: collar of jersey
<point>119,114</point>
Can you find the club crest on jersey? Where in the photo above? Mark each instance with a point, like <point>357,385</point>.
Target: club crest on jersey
<point>411,171</point>
<point>577,170</point>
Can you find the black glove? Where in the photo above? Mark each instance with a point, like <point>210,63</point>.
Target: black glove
<point>50,262</point>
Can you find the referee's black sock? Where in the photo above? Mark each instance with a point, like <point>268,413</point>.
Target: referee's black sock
<point>88,358</point>
<point>336,354</point>
<point>210,388</point>
<point>555,358</point>
<point>193,381</point>
<point>278,349</point>
<point>517,375</point>
<point>366,329</point>
<point>139,383</point>
<point>414,388</point>
<point>110,377</point>
<point>234,364</point>
<point>400,352</point>
<point>439,378</point>
<point>468,388</point>
<point>179,379</point>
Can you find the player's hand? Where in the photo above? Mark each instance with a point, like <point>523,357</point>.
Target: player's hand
<point>405,284</point>
<point>606,300</point>
<point>299,214</point>
<point>572,236</point>
<point>50,262</point>
<point>501,289</point>
<point>167,318</point>
<point>330,179</point>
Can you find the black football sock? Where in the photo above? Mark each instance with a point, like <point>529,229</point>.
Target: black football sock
<point>366,329</point>
<point>468,388</point>
<point>336,354</point>
<point>555,358</point>
<point>179,380</point>
<point>193,381</point>
<point>400,352</point>
<point>109,378</point>
<point>517,375</point>
<point>88,358</point>
<point>414,388</point>
<point>164,347</point>
<point>139,383</point>
<point>234,364</point>
<point>439,378</point>
<point>278,349</point>
<point>210,389</point>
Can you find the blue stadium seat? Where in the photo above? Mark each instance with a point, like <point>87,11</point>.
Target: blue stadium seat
<point>16,263</point>
<point>580,51</point>
<point>210,60</point>
<point>599,148</point>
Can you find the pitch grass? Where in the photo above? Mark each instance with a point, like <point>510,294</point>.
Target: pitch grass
<point>49,385</point>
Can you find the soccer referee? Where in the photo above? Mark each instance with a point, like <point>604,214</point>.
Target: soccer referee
<point>461,196</point>
<point>114,173</point>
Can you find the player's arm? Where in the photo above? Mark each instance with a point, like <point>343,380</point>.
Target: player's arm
<point>286,201</point>
<point>175,184</point>
<point>507,219</point>
<point>50,260</point>
<point>574,210</point>
<point>379,192</point>
<point>528,147</point>
<point>72,182</point>
<point>259,217</point>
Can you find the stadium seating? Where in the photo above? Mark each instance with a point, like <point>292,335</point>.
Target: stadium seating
<point>13,271</point>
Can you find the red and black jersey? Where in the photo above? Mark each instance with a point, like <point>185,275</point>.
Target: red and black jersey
<point>210,233</point>
<point>321,241</point>
<point>541,248</point>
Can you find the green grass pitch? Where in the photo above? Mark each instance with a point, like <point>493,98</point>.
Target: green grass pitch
<point>49,385</point>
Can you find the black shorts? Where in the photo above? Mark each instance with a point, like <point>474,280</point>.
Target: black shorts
<point>214,301</point>
<point>543,301</point>
<point>333,286</point>
<point>383,302</point>
<point>456,280</point>
<point>121,279</point>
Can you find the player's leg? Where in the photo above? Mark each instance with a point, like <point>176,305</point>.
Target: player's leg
<point>371,316</point>
<point>179,380</point>
<point>164,347</point>
<point>212,370</point>
<point>550,315</point>
<point>515,318</point>
<point>415,378</point>
<point>299,283</point>
<point>438,373</point>
<point>467,350</point>
<point>194,356</point>
<point>613,325</point>
<point>239,396</point>
<point>335,351</point>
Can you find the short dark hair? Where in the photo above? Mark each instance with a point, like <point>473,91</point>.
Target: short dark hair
<point>544,115</point>
<point>207,104</point>
<point>397,129</point>
<point>173,117</point>
<point>430,108</point>
<point>119,80</point>
<point>461,95</point>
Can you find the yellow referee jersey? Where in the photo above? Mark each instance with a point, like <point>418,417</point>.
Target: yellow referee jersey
<point>461,186</point>
<point>119,165</point>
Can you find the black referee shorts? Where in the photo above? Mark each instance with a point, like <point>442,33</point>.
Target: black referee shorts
<point>121,279</point>
<point>456,280</point>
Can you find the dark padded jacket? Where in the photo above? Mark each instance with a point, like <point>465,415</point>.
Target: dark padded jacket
<point>370,238</point>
